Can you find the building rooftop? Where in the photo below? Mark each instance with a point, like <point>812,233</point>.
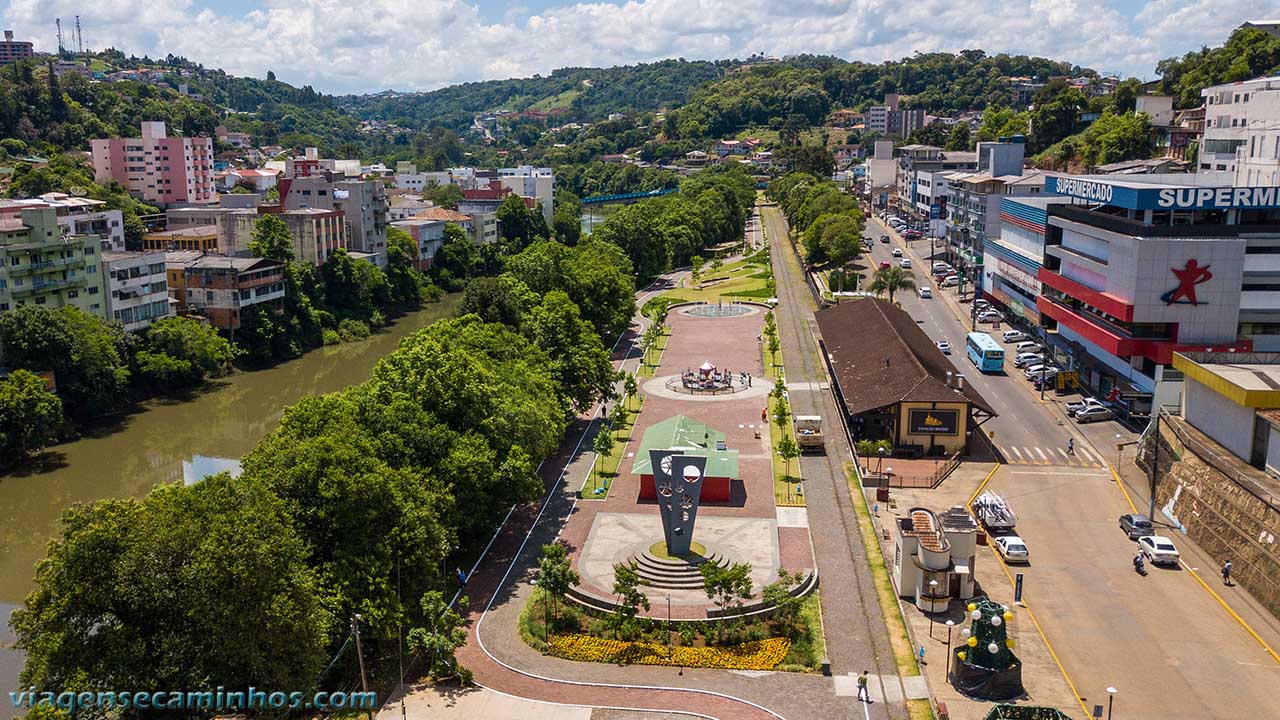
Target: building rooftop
<point>440,213</point>
<point>694,438</point>
<point>11,224</point>
<point>1249,379</point>
<point>178,258</point>
<point>111,255</point>
<point>226,262</point>
<point>193,231</point>
<point>880,356</point>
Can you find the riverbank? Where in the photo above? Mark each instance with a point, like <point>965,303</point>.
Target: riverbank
<point>164,437</point>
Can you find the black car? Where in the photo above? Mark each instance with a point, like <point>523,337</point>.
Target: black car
<point>1135,526</point>
<point>884,239</point>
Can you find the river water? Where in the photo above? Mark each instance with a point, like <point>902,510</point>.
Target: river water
<point>167,441</point>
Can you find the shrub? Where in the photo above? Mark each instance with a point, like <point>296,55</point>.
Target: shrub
<point>331,337</point>
<point>352,330</point>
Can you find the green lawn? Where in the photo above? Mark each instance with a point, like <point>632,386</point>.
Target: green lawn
<point>654,356</point>
<point>554,102</point>
<point>606,468</point>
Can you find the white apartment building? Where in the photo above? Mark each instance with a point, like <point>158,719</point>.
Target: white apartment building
<point>137,289</point>
<point>80,216</point>
<point>1241,144</point>
<point>529,181</point>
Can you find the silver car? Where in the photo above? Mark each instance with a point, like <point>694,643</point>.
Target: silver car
<point>1093,413</point>
<point>1159,550</point>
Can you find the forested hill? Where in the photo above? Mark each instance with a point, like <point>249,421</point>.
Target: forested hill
<point>587,94</point>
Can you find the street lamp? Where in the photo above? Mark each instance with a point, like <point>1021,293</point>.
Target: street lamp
<point>1111,698</point>
<point>950,624</point>
<point>880,461</point>
<point>933,593</point>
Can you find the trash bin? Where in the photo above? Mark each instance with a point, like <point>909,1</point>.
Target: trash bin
<point>982,537</point>
<point>882,494</point>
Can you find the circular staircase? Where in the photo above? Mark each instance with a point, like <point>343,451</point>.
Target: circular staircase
<point>673,573</point>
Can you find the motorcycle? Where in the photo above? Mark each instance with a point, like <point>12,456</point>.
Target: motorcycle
<point>1139,566</point>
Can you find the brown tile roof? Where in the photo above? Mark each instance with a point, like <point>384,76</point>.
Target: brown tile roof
<point>11,224</point>
<point>881,357</point>
<point>439,213</point>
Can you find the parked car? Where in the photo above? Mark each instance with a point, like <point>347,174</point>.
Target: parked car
<point>944,346</point>
<point>1093,414</point>
<point>884,239</point>
<point>1031,358</point>
<point>905,263</point>
<point>897,252</point>
<point>1010,336</point>
<point>1012,549</point>
<point>925,293</point>
<point>1159,550</point>
<point>981,304</point>
<point>950,281</point>
<point>1076,406</point>
<point>913,235</point>
<point>990,316</point>
<point>1027,346</point>
<point>941,267</point>
<point>1048,382</point>
<point>1135,526</point>
<point>1034,370</point>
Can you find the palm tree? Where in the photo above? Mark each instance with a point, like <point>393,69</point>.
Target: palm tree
<point>891,280</point>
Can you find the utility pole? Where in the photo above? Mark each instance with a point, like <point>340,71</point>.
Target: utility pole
<point>58,23</point>
<point>364,680</point>
<point>79,38</point>
<point>1153,463</point>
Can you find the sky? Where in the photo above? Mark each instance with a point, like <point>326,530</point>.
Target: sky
<point>341,46</point>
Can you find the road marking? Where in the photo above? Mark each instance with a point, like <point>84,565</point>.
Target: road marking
<point>1058,473</point>
<point>1233,613</point>
<point>1030,456</point>
<point>1016,451</point>
<point>985,480</point>
<point>1042,455</point>
<point>1065,456</point>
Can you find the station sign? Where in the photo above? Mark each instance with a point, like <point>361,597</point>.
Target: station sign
<point>934,422</point>
<point>1151,196</point>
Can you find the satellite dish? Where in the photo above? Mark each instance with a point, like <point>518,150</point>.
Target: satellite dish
<point>77,191</point>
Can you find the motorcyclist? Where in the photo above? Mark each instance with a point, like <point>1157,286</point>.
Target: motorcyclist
<point>1138,562</point>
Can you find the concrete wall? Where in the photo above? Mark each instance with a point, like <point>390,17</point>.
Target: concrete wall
<point>1236,518</point>
<point>1219,418</point>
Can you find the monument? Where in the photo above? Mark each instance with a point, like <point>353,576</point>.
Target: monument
<point>678,479</point>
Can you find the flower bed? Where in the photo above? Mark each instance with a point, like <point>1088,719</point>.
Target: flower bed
<point>754,655</point>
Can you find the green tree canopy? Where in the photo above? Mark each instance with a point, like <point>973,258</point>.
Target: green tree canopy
<point>82,351</point>
<point>29,416</point>
<point>271,239</point>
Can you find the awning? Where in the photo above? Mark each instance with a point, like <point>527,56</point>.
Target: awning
<point>707,367</point>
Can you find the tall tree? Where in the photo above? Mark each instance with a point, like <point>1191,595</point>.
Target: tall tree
<point>29,416</point>
<point>271,239</point>
<point>82,351</point>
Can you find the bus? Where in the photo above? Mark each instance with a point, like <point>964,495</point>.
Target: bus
<point>984,352</point>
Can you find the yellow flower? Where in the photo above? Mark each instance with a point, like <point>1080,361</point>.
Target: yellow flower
<point>755,655</point>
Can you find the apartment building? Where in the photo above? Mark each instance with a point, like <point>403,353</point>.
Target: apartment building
<point>913,159</point>
<point>537,183</point>
<point>137,288</point>
<point>220,288</point>
<point>77,216</point>
<point>428,235</point>
<point>200,238</point>
<point>157,168</point>
<point>362,206</point>
<point>40,264</point>
<point>1241,144</point>
<point>12,51</point>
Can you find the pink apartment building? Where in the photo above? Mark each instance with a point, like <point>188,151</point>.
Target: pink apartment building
<point>158,168</point>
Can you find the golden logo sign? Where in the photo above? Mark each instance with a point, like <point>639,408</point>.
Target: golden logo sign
<point>932,421</point>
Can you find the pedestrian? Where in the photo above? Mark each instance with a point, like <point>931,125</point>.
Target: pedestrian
<point>1226,572</point>
<point>920,652</point>
<point>748,379</point>
<point>764,413</point>
<point>462,578</point>
<point>863,693</point>
<point>1071,446</point>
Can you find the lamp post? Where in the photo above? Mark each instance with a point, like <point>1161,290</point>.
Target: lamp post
<point>880,461</point>
<point>950,624</point>
<point>933,592</point>
<point>1111,698</point>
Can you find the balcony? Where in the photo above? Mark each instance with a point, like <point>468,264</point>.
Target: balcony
<point>45,265</point>
<point>40,288</point>
<point>1120,343</point>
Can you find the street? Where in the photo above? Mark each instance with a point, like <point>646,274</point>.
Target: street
<point>1164,642</point>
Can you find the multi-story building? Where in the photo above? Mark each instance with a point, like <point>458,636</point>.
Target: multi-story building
<point>137,288</point>
<point>1139,267</point>
<point>77,216</point>
<point>1011,260</point>
<point>428,234</point>
<point>237,140</point>
<point>220,288</point>
<point>157,168</point>
<point>40,264</point>
<point>201,238</point>
<point>14,50</point>
<point>924,158</point>
<point>482,227</point>
<point>539,184</point>
<point>973,203</point>
<point>361,204</point>
<point>882,173</point>
<point>1242,133</point>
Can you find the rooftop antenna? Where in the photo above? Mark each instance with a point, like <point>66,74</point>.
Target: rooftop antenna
<point>79,38</point>
<point>58,23</point>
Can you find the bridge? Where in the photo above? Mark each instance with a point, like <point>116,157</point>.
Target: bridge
<point>626,197</point>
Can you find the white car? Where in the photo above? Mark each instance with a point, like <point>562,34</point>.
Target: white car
<point>1159,550</point>
<point>1028,346</point>
<point>1076,406</point>
<point>1093,414</point>
<point>905,263</point>
<point>1013,336</point>
<point>944,346</point>
<point>926,293</point>
<point>990,316</point>
<point>941,267</point>
<point>897,252</point>
<point>1030,358</point>
<point>950,281</point>
<point>1012,549</point>
<point>1033,371</point>
<point>981,304</point>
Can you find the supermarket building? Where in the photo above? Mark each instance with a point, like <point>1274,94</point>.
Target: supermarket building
<point>1138,267</point>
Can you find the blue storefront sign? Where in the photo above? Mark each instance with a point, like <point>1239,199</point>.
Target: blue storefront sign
<point>1151,196</point>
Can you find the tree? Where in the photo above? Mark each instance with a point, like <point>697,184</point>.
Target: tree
<point>502,299</point>
<point>696,272</point>
<point>456,259</point>
<point>629,383</point>
<point>566,220</point>
<point>555,576</point>
<point>579,360</point>
<point>787,608</point>
<point>789,451</point>
<point>781,414</point>
<point>890,280</point>
<point>602,444</point>
<point>210,579</point>
<point>82,351</point>
<point>813,159</point>
<point>726,586</point>
<point>182,351</point>
<point>440,641</point>
<point>626,586</point>
<point>517,225</point>
<point>271,239</point>
<point>29,416</point>
<point>959,138</point>
<point>404,280</point>
<point>447,195</point>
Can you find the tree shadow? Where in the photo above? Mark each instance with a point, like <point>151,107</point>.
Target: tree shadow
<point>42,462</point>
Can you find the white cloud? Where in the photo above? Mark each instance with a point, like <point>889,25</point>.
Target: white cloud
<point>338,46</point>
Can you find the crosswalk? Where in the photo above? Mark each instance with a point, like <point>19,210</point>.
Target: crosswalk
<point>1036,455</point>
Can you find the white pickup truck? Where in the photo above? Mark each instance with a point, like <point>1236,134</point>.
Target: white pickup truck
<point>809,433</point>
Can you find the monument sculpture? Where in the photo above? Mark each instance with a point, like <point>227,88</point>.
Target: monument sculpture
<point>678,479</point>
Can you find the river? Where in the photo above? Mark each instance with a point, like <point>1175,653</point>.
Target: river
<point>168,441</point>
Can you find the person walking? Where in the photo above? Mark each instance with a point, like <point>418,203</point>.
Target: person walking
<point>864,693</point>
<point>920,653</point>
<point>1226,573</point>
<point>462,578</point>
<point>1071,446</point>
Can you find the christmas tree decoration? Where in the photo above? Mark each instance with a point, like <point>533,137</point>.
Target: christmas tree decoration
<point>985,666</point>
<point>965,633</point>
<point>971,607</point>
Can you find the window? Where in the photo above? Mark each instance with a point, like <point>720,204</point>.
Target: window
<point>93,291</point>
<point>4,306</point>
<point>41,300</point>
<point>73,293</point>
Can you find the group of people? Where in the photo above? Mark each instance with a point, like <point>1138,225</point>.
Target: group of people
<point>713,380</point>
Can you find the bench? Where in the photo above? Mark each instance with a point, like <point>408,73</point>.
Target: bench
<point>942,712</point>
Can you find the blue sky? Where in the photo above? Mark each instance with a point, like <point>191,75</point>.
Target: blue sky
<point>339,46</point>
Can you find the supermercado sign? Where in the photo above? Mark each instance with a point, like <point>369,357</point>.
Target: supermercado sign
<point>1163,198</point>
